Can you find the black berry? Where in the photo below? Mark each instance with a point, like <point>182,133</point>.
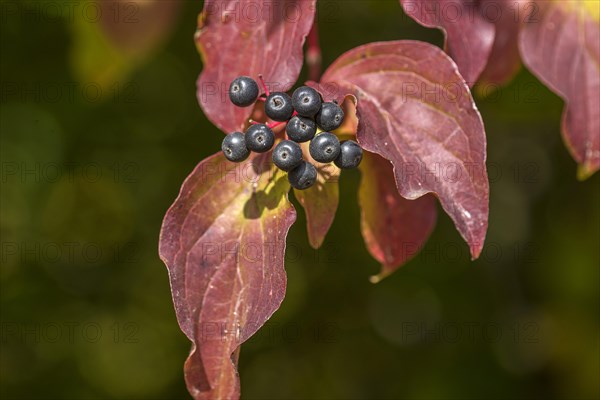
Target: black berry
<point>243,91</point>
<point>234,147</point>
<point>330,116</point>
<point>301,129</point>
<point>303,176</point>
<point>350,155</point>
<point>306,101</point>
<point>287,155</point>
<point>278,106</point>
<point>260,138</point>
<point>325,147</point>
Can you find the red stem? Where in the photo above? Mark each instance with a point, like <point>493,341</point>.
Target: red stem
<point>274,124</point>
<point>271,125</point>
<point>313,53</point>
<point>262,82</point>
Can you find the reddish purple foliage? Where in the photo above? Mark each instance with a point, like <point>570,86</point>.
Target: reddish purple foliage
<point>246,37</point>
<point>469,36</point>
<point>562,47</point>
<point>415,110</point>
<point>223,241</point>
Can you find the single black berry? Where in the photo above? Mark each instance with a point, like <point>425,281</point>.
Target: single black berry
<point>259,138</point>
<point>234,147</point>
<point>306,101</point>
<point>278,106</point>
<point>350,155</point>
<point>330,117</point>
<point>301,129</point>
<point>325,147</point>
<point>303,176</point>
<point>243,91</point>
<point>287,155</point>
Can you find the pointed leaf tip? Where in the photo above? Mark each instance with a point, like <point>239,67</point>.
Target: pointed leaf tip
<point>223,241</point>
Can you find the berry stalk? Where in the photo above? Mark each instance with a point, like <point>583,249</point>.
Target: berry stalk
<point>264,86</point>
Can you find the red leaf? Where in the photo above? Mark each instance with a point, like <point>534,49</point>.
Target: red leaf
<point>320,201</point>
<point>394,228</point>
<point>504,60</point>
<point>562,48</point>
<point>248,37</point>
<point>223,241</point>
<point>469,36</point>
<point>415,110</point>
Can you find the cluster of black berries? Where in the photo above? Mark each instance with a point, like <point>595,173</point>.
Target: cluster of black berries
<point>304,112</point>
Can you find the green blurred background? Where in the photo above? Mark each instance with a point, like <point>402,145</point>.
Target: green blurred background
<point>99,127</point>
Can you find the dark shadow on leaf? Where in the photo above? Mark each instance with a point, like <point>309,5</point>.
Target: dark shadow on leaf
<point>268,198</point>
<point>260,163</point>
